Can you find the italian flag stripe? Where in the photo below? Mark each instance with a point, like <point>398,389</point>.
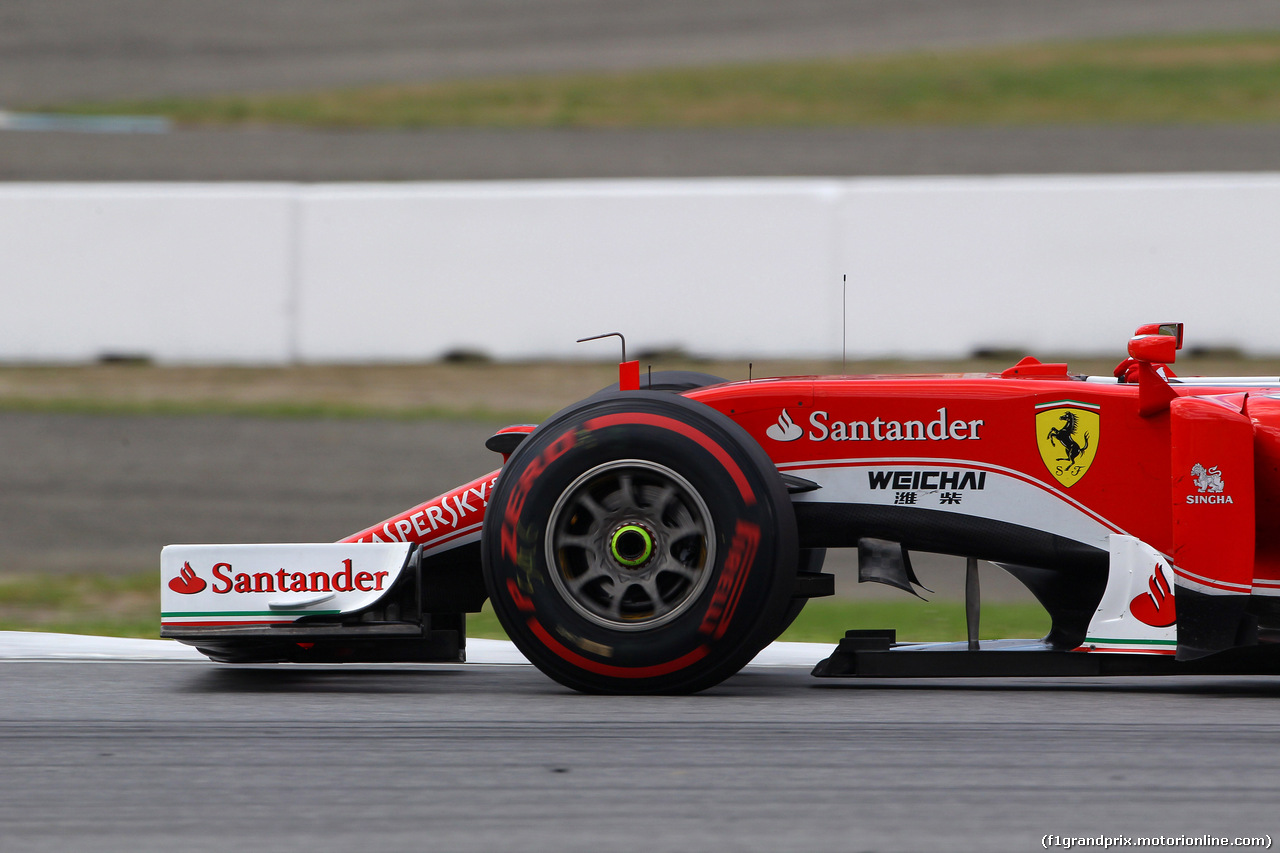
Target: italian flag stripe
<point>1058,403</point>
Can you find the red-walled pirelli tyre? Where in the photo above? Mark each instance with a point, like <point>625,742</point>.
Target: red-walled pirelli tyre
<point>640,543</point>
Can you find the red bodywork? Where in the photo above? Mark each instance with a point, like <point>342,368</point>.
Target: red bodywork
<point>1141,509</point>
<point>1189,467</point>
<point>1138,482</point>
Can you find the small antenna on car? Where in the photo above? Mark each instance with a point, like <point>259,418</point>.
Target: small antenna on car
<point>628,371</point>
<point>617,335</point>
<point>844,325</point>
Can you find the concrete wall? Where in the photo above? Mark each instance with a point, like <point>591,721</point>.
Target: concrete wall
<point>266,273</point>
<point>183,273</point>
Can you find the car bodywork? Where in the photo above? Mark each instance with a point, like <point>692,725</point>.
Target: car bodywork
<point>1140,509</point>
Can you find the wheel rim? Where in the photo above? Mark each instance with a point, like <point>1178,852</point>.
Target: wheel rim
<point>631,545</point>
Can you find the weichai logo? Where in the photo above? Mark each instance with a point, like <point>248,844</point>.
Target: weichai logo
<point>226,580</point>
<point>927,480</point>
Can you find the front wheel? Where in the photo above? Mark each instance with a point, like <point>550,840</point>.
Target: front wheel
<point>640,543</point>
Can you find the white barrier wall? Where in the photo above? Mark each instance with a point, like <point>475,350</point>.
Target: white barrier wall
<point>528,269</point>
<point>179,272</point>
<point>260,273</point>
<point>1063,264</point>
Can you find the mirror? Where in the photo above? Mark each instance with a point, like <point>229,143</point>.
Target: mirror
<point>1153,348</point>
<point>1173,330</point>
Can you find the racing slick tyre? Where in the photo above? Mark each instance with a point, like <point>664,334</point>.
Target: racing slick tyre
<point>640,543</point>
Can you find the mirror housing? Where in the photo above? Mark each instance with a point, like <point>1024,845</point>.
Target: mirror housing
<point>1152,344</point>
<point>1154,348</point>
<point>1172,329</point>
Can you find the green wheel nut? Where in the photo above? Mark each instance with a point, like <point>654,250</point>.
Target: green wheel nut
<point>631,545</point>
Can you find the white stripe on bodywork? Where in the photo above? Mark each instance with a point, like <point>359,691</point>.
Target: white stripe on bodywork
<point>1008,496</point>
<point>462,536</point>
<point>1207,585</point>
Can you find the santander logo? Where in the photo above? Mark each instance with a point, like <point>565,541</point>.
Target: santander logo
<point>1155,608</point>
<point>785,429</point>
<point>187,582</point>
<point>823,428</point>
<point>227,580</point>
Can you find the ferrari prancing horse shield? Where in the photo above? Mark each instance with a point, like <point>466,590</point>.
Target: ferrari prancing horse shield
<point>1067,434</point>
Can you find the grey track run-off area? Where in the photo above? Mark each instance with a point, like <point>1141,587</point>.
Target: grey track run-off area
<point>483,154</point>
<point>85,494</point>
<point>93,49</point>
<point>51,52</point>
<point>79,493</point>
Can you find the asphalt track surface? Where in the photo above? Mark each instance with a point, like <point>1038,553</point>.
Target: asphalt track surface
<point>81,49</point>
<point>144,757</point>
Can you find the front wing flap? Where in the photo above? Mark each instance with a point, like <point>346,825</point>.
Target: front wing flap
<point>257,590</point>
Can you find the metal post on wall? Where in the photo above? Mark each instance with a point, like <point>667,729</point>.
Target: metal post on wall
<point>972,601</point>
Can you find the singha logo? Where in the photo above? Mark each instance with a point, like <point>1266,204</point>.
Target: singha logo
<point>1208,482</point>
<point>785,429</point>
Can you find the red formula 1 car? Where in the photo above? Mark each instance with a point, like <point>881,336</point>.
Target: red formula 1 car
<point>656,536</point>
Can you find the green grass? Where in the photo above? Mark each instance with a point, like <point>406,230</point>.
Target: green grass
<point>129,606</point>
<point>825,620</point>
<point>123,606</point>
<point>1192,78</point>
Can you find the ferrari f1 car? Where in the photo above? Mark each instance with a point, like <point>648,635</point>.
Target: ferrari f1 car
<point>656,536</point>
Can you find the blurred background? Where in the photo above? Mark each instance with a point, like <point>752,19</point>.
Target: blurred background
<point>273,271</point>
